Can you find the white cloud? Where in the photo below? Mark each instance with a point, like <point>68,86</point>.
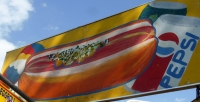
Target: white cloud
<point>44,5</point>
<point>180,99</point>
<point>4,47</point>
<point>12,14</point>
<point>51,27</point>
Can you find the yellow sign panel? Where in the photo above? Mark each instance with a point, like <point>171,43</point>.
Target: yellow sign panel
<point>154,46</point>
<point>7,96</point>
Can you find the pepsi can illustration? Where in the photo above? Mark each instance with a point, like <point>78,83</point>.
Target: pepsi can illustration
<point>157,8</point>
<point>178,37</point>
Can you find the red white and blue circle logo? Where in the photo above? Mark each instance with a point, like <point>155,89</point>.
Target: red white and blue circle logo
<point>167,44</point>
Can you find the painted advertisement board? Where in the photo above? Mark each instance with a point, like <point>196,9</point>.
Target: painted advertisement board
<point>6,95</point>
<point>151,47</point>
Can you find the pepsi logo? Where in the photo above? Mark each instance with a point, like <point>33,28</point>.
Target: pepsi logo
<point>181,56</point>
<point>167,44</point>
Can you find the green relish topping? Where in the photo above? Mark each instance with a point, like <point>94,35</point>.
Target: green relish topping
<point>78,53</point>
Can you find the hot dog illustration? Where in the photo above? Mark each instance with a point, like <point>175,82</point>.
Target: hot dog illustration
<point>90,65</point>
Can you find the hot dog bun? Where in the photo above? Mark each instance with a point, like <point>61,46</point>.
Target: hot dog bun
<point>123,58</point>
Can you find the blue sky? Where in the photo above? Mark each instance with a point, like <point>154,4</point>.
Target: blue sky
<point>178,96</point>
<point>24,22</point>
